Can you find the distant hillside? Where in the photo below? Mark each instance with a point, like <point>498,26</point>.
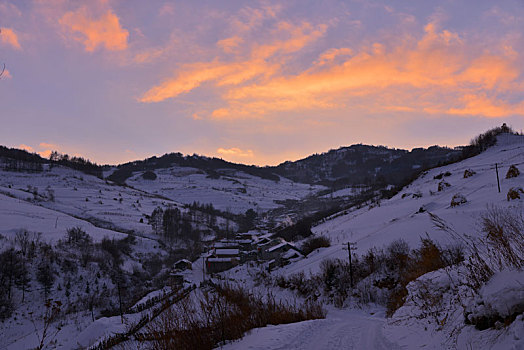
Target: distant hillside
<point>13,159</point>
<point>357,164</point>
<point>363,164</point>
<point>209,165</point>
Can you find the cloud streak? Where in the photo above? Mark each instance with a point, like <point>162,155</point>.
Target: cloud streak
<point>263,62</point>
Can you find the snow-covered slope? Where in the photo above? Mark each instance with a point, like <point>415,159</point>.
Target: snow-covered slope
<point>16,215</point>
<point>235,191</point>
<point>401,217</point>
<point>83,196</point>
<point>406,216</point>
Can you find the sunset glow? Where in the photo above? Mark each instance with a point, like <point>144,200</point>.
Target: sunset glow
<point>255,82</point>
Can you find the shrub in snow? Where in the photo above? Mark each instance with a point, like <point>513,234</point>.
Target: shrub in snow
<point>149,175</point>
<point>514,193</point>
<point>468,173</point>
<point>417,194</point>
<point>439,176</point>
<point>513,171</point>
<point>500,300</point>
<point>313,243</point>
<point>443,185</point>
<point>458,199</point>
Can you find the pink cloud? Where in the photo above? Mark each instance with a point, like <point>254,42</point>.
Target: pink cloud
<point>235,153</point>
<point>10,38</point>
<point>103,31</point>
<point>26,147</point>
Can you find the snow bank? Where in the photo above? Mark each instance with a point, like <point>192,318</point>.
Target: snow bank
<point>500,298</point>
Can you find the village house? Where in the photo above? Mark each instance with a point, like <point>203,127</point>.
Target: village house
<point>183,264</point>
<point>221,259</point>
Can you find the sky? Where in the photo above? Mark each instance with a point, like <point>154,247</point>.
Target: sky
<point>255,82</point>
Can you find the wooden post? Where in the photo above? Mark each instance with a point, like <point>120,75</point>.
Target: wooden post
<point>350,265</point>
<point>497,170</point>
<point>120,301</point>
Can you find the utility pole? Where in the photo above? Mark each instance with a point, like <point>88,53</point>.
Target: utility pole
<point>349,244</point>
<point>204,269</point>
<point>497,170</point>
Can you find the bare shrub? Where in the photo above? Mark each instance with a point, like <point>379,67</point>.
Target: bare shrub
<point>458,199</point>
<point>442,185</point>
<point>425,259</point>
<point>315,242</point>
<point>223,314</point>
<point>514,193</point>
<point>78,237</point>
<point>468,173</point>
<point>513,171</point>
<point>504,230</point>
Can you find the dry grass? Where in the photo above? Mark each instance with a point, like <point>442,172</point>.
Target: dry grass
<point>221,315</point>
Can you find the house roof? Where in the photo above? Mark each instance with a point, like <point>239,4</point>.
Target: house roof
<point>281,245</point>
<point>225,251</point>
<point>185,261</point>
<point>220,259</point>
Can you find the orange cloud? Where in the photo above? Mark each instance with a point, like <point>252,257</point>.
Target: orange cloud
<point>9,37</point>
<point>48,148</point>
<point>45,154</point>
<point>413,72</point>
<point>483,105</point>
<point>330,55</point>
<point>235,152</point>
<point>26,147</point>
<point>104,31</point>
<point>436,71</point>
<point>229,45</point>
<point>149,55</point>
<point>257,65</point>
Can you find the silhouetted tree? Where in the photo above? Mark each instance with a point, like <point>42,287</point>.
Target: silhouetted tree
<point>155,220</point>
<point>45,275</point>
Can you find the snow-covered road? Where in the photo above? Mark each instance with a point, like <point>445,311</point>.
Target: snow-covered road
<point>342,329</point>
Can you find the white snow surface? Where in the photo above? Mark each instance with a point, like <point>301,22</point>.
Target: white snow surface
<point>341,329</point>
<point>236,192</point>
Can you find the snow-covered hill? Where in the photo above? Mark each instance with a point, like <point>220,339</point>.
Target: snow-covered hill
<point>75,194</point>
<point>402,217</point>
<point>230,190</point>
<point>433,315</point>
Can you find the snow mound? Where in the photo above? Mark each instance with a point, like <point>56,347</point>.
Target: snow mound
<point>500,298</point>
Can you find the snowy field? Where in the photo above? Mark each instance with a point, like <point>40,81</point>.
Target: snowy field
<point>83,196</point>
<point>235,192</point>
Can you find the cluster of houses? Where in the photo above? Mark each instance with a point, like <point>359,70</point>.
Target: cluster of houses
<point>252,246</point>
<point>256,247</point>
